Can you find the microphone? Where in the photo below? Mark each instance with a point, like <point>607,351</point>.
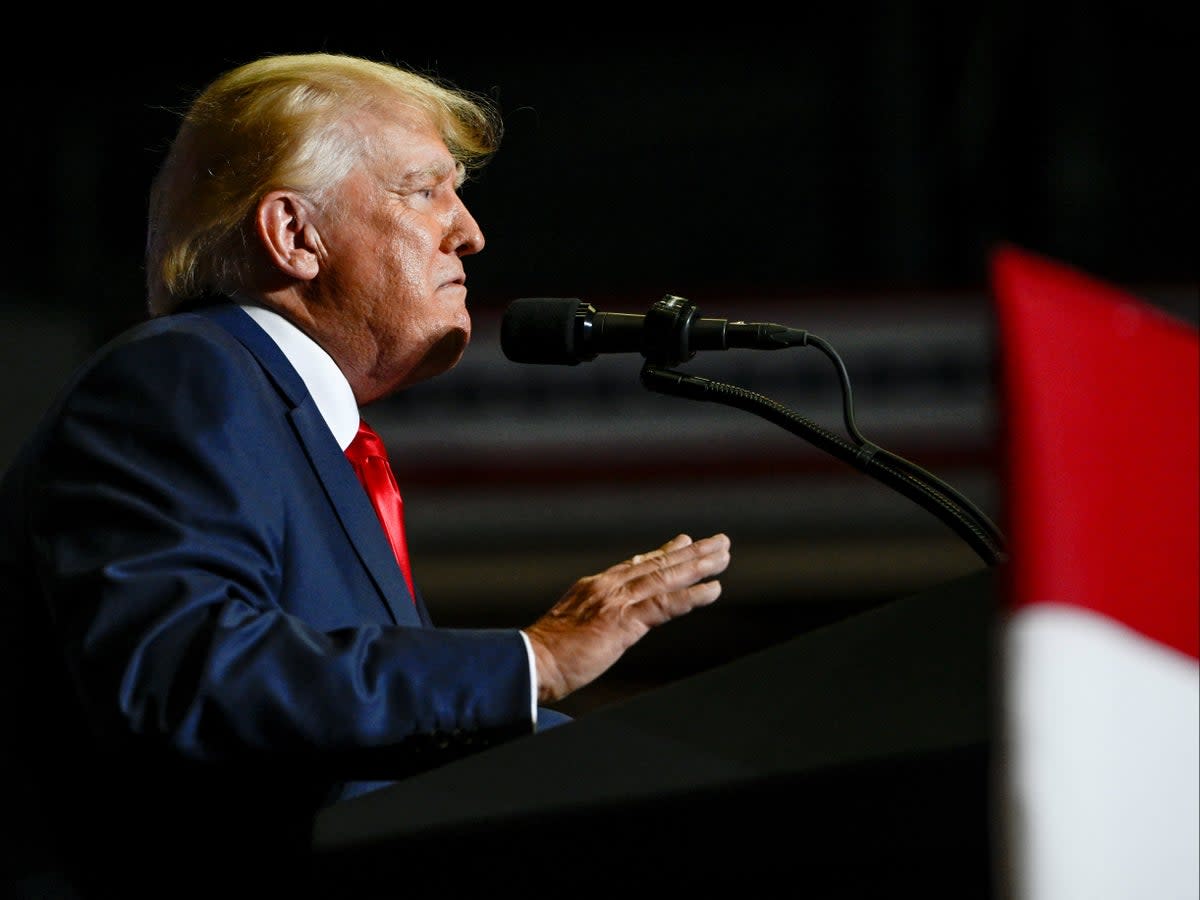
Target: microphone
<point>566,331</point>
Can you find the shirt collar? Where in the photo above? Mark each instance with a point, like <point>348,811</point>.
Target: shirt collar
<point>325,382</point>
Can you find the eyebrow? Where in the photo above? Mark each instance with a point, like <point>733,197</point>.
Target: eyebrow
<point>436,172</point>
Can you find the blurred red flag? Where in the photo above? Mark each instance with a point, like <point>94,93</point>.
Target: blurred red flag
<point>1100,410</point>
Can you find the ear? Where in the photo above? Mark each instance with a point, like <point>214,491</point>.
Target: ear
<point>284,224</point>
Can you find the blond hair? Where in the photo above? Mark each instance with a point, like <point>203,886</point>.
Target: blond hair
<point>279,122</point>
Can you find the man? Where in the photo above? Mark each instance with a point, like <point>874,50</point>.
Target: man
<point>207,630</point>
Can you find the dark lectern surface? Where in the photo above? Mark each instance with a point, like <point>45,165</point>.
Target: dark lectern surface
<point>853,760</point>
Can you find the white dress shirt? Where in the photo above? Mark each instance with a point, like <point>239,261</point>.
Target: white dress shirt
<point>335,401</point>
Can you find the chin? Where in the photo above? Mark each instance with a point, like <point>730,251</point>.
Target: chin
<point>441,357</point>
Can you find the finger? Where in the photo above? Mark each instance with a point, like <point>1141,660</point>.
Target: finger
<point>677,550</point>
<point>680,540</point>
<point>660,608</point>
<point>672,572</point>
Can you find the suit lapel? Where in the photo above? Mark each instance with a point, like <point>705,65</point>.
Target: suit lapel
<point>353,507</point>
<point>345,494</point>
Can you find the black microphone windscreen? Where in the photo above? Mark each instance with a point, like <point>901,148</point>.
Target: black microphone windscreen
<point>540,330</point>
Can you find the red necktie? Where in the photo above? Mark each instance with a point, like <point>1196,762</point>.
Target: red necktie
<point>369,458</point>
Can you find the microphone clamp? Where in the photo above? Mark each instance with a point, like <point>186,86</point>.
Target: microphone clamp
<point>666,336</point>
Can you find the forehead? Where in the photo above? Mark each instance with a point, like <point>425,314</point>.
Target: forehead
<point>406,140</point>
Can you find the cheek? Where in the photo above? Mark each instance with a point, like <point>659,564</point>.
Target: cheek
<point>409,262</point>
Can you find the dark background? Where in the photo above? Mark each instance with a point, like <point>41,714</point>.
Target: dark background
<point>878,152</point>
<point>880,147</point>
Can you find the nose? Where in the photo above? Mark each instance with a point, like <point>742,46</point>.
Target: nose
<point>464,236</point>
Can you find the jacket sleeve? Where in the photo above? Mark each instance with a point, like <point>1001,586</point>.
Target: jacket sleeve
<point>161,513</point>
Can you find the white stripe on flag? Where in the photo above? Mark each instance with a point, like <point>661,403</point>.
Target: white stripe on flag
<point>1103,760</point>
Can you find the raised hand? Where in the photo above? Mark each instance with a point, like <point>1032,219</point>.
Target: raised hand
<point>603,615</point>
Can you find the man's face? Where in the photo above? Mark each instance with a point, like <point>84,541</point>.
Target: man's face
<point>391,280</point>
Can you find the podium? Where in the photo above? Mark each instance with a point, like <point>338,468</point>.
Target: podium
<point>852,760</point>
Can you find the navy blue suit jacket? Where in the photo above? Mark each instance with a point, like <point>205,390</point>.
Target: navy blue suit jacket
<point>203,620</point>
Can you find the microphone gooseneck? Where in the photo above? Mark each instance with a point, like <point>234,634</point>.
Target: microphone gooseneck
<point>567,331</point>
